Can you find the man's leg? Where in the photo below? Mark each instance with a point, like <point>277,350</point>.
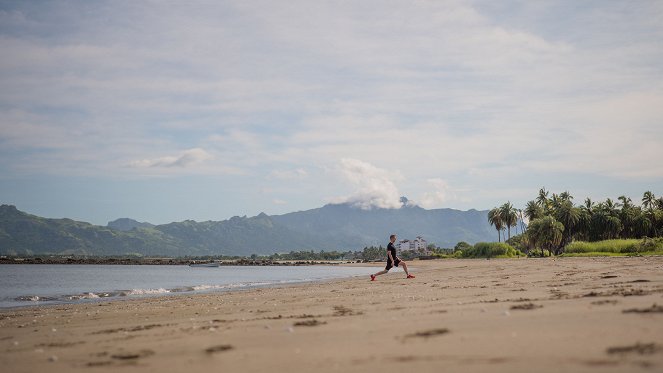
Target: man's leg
<point>379,273</point>
<point>405,269</point>
<point>404,265</point>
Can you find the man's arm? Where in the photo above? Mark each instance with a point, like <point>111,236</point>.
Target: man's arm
<point>391,259</point>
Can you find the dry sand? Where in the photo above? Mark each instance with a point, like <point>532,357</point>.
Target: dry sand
<point>518,315</point>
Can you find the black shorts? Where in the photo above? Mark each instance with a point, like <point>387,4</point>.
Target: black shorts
<point>389,265</point>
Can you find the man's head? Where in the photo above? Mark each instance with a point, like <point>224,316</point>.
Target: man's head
<point>392,238</point>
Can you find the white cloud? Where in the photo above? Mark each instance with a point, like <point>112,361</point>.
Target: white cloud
<point>374,187</point>
<point>277,201</point>
<point>441,193</point>
<point>185,159</point>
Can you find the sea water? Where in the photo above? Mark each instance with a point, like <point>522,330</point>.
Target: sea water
<point>40,284</point>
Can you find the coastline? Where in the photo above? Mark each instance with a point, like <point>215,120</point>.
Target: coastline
<point>566,314</point>
<point>168,261</point>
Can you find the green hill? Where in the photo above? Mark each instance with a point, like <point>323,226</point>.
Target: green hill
<point>331,227</point>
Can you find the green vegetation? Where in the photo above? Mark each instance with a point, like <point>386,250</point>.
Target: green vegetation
<point>625,246</point>
<point>545,233</point>
<point>490,250</point>
<point>558,226</point>
<point>503,217</point>
<point>310,255</point>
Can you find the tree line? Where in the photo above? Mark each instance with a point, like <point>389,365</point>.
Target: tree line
<point>555,221</point>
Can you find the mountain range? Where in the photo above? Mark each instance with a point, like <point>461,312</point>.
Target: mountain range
<point>339,227</point>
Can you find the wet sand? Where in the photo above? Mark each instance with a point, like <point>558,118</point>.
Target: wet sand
<point>506,315</point>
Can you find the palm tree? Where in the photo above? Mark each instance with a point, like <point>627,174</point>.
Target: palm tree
<point>569,216</point>
<point>610,207</point>
<point>626,202</point>
<point>495,219</point>
<point>613,227</point>
<point>543,200</point>
<point>648,200</point>
<point>533,210</point>
<point>642,225</point>
<point>555,201</point>
<point>546,233</point>
<point>508,216</point>
<point>627,216</point>
<point>566,196</point>
<point>585,223</point>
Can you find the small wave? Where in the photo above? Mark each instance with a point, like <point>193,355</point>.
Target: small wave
<point>83,296</point>
<point>206,287</point>
<point>33,298</point>
<point>28,298</point>
<point>260,283</point>
<point>144,291</point>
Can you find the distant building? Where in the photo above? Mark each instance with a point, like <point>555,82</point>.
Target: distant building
<point>418,245</point>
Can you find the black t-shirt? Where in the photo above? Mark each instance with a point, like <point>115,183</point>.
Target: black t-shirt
<point>391,249</point>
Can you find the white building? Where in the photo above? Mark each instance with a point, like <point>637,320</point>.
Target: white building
<point>403,245</point>
<point>418,245</point>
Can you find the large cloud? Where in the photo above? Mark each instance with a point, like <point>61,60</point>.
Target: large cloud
<point>373,186</point>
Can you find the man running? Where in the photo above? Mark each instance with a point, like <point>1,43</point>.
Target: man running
<point>392,260</point>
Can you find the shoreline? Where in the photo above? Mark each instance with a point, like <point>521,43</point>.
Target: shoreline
<point>170,261</point>
<point>502,315</point>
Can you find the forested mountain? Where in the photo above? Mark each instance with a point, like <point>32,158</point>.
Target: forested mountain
<point>126,224</point>
<point>331,227</point>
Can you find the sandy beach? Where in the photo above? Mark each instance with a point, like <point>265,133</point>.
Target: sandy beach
<point>517,315</point>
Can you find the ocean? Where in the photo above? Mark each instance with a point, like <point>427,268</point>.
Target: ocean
<point>41,284</point>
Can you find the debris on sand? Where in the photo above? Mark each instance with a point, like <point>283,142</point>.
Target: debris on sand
<point>311,322</point>
<point>428,333</point>
<point>344,311</point>
<point>638,348</point>
<point>526,306</point>
<point>653,309</point>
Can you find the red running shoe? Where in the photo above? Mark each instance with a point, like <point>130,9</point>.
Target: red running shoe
<point>372,277</point>
<point>410,276</point>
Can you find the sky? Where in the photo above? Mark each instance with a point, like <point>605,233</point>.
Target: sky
<point>170,110</point>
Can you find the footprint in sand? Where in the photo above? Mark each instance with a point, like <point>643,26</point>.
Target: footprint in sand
<point>427,333</point>
<point>60,344</point>
<point>132,355</point>
<point>133,329</point>
<point>218,348</point>
<point>607,301</point>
